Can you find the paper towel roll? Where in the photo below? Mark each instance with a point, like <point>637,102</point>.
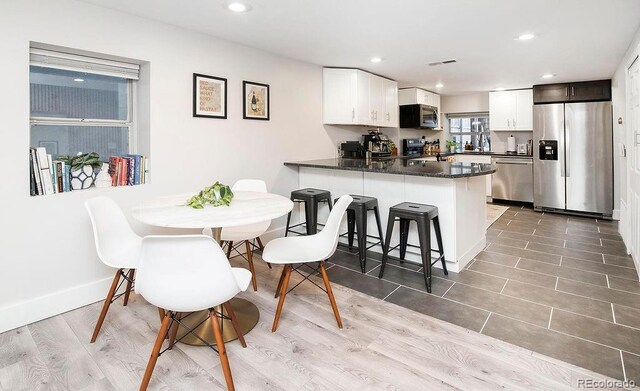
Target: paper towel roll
<point>511,144</point>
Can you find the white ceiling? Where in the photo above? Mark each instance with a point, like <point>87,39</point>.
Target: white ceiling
<point>576,39</point>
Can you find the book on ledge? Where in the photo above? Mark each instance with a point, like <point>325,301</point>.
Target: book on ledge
<point>128,170</point>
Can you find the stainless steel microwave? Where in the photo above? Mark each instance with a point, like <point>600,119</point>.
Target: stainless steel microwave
<point>418,116</point>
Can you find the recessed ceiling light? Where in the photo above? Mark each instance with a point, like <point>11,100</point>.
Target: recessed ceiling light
<point>238,7</point>
<point>500,89</point>
<point>376,59</point>
<point>548,76</point>
<point>78,79</point>
<point>439,85</point>
<point>525,37</point>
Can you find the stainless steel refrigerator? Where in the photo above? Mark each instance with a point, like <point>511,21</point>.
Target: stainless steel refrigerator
<point>573,158</point>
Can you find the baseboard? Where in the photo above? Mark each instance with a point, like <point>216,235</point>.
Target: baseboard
<point>33,310</point>
<point>469,255</point>
<point>616,214</point>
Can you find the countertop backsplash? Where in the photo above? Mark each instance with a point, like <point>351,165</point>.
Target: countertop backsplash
<point>499,139</point>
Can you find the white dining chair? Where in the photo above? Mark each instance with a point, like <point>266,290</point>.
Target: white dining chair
<point>235,237</point>
<point>184,274</point>
<point>117,246</point>
<point>299,251</point>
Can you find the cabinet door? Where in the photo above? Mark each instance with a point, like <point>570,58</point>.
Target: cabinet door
<point>339,88</point>
<point>502,110</point>
<point>590,91</point>
<point>376,99</point>
<point>551,93</point>
<point>524,110</point>
<point>421,96</point>
<point>363,99</point>
<point>390,114</point>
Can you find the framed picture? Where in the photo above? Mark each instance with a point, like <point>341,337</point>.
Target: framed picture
<point>255,104</point>
<point>209,96</point>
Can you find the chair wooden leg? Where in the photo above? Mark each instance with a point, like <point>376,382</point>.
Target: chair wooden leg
<point>130,275</point>
<point>174,330</point>
<point>332,299</point>
<point>230,244</point>
<point>155,352</point>
<point>105,306</point>
<point>284,271</point>
<point>251,267</point>
<point>283,293</point>
<point>234,322</point>
<point>222,352</point>
<point>261,246</point>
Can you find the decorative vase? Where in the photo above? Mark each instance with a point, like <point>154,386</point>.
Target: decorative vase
<point>452,149</point>
<point>83,178</point>
<point>103,179</point>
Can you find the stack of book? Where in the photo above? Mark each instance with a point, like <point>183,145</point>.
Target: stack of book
<point>128,170</point>
<point>47,176</point>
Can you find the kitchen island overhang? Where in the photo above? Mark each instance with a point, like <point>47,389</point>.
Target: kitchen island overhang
<point>457,189</point>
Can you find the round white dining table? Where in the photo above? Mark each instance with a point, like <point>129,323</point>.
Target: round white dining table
<point>246,207</point>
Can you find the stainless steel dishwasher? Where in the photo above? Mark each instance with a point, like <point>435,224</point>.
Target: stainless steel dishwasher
<point>513,179</point>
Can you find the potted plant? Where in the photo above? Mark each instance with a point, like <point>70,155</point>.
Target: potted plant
<point>84,167</point>
<point>393,148</point>
<point>451,145</point>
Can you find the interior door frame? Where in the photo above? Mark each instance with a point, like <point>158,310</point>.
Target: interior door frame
<point>632,241</point>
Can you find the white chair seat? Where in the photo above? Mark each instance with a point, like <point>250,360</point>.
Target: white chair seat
<point>296,249</point>
<point>243,277</point>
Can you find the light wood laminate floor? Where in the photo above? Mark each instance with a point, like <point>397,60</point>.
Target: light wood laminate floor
<point>382,347</point>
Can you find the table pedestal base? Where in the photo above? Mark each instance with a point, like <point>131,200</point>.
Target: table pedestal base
<point>246,312</point>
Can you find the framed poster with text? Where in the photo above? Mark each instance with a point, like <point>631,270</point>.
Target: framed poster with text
<point>209,96</point>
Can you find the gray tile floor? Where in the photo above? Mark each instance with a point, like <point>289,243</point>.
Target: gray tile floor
<point>560,286</point>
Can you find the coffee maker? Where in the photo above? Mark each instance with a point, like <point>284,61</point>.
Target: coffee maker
<point>377,144</point>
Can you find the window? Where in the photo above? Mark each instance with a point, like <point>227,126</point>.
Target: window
<point>473,129</point>
<point>81,104</point>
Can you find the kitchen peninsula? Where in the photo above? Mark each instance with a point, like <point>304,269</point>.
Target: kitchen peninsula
<point>457,189</point>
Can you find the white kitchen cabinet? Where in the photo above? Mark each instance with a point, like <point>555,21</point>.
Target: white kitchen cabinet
<point>355,97</point>
<point>511,110</point>
<point>390,114</point>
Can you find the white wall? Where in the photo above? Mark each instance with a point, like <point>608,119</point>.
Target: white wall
<point>48,261</point>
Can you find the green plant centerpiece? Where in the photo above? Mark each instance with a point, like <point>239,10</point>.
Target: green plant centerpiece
<point>451,145</point>
<point>216,195</point>
<point>84,167</point>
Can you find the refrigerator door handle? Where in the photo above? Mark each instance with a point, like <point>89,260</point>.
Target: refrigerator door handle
<point>567,149</point>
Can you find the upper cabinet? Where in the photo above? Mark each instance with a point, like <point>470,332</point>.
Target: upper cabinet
<point>355,97</point>
<point>511,110</point>
<point>585,91</point>
<point>412,96</point>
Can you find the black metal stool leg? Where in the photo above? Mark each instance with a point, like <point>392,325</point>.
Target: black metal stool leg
<point>286,232</point>
<point>330,203</point>
<point>404,237</point>
<point>424,235</point>
<point>387,242</point>
<point>436,227</point>
<point>361,229</point>
<point>351,223</point>
<point>311,216</point>
<point>379,224</point>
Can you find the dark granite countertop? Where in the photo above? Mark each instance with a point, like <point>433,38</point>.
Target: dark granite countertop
<point>467,153</point>
<point>399,166</point>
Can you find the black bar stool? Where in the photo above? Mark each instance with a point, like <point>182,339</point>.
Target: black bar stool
<point>311,198</point>
<point>357,218</point>
<point>423,215</point>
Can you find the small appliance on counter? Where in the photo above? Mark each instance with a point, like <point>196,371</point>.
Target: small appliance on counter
<point>412,147</point>
<point>352,149</point>
<point>522,149</point>
<point>377,144</point>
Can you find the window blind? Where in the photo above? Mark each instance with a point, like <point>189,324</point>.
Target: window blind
<point>73,62</point>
